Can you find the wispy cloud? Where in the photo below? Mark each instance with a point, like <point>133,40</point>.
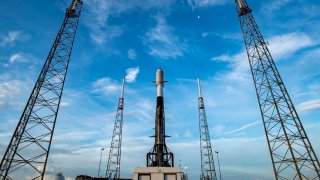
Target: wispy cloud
<point>106,86</point>
<point>10,92</point>
<point>206,3</point>
<point>273,6</point>
<point>221,130</point>
<point>243,127</point>
<point>285,45</point>
<point>227,36</point>
<point>12,37</point>
<point>309,105</point>
<point>281,46</point>
<point>239,66</point>
<point>132,74</point>
<point>132,54</point>
<point>20,57</point>
<point>97,19</point>
<point>162,42</point>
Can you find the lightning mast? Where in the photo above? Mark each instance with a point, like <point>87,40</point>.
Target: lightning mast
<point>113,167</point>
<point>208,171</point>
<point>160,155</point>
<point>291,151</point>
<point>28,150</point>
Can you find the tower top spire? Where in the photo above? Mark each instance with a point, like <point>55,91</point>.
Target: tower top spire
<point>122,87</point>
<point>199,88</point>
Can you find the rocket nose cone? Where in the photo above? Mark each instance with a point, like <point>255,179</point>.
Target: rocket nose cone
<point>159,76</point>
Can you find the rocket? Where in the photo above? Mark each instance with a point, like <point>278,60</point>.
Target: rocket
<point>160,156</point>
<point>159,129</point>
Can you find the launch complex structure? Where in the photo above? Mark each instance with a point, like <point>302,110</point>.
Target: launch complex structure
<point>291,152</point>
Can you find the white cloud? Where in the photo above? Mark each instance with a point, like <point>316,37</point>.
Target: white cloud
<point>20,57</point>
<point>12,37</point>
<point>309,105</point>
<point>132,54</point>
<point>239,66</point>
<point>224,35</point>
<point>106,86</point>
<point>284,45</point>
<point>132,74</point>
<point>273,6</point>
<point>222,130</point>
<point>162,42</point>
<point>281,46</point>
<point>10,92</point>
<point>101,31</point>
<point>206,3</point>
<point>97,21</point>
<point>243,127</point>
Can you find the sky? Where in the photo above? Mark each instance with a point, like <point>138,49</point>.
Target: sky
<point>188,39</point>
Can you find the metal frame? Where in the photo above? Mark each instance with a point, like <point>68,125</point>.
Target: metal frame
<point>208,171</point>
<point>113,166</point>
<point>28,150</point>
<point>291,151</point>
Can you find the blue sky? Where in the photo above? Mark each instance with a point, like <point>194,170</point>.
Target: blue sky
<point>188,39</point>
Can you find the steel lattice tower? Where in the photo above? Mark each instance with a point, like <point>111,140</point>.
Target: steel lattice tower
<point>291,152</point>
<point>113,167</point>
<point>208,171</point>
<point>27,153</point>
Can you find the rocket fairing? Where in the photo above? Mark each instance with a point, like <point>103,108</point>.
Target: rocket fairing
<point>159,82</point>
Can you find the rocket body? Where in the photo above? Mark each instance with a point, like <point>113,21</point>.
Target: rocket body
<point>160,108</point>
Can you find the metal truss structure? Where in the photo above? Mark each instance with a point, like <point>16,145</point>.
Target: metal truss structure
<point>27,153</point>
<point>291,151</point>
<point>113,166</point>
<point>208,171</point>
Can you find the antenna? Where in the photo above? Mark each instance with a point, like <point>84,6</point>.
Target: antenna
<point>208,171</point>
<point>113,166</point>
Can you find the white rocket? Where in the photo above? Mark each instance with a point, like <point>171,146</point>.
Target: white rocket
<point>159,82</point>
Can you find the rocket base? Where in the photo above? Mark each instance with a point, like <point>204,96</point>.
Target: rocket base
<point>157,173</point>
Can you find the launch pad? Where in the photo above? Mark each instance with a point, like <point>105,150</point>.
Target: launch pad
<point>157,173</point>
<point>160,161</point>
